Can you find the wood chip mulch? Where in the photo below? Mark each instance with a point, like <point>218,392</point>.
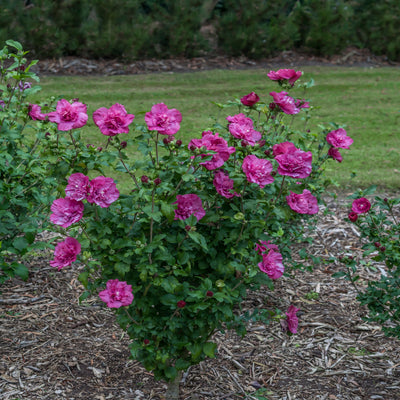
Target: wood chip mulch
<point>51,347</point>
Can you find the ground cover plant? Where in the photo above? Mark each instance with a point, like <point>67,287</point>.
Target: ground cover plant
<point>359,96</point>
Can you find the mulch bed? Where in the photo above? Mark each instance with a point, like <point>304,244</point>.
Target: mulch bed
<point>53,347</point>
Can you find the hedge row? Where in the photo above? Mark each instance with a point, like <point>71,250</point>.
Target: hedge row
<point>134,29</point>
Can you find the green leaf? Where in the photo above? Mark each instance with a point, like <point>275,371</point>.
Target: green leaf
<point>122,268</point>
<point>20,244</point>
<point>168,211</point>
<point>199,239</point>
<point>209,349</point>
<point>22,271</point>
<point>15,44</point>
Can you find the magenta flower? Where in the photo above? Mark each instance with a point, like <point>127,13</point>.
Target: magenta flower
<point>304,203</point>
<point>291,319</point>
<point>224,185</point>
<point>215,143</point>
<point>66,212</point>
<point>257,170</point>
<point>102,191</point>
<point>189,204</point>
<point>250,99</point>
<point>77,187</point>
<point>295,162</point>
<point>163,120</point>
<point>69,116</point>
<point>241,127</point>
<point>282,148</point>
<point>263,246</point>
<point>286,103</point>
<point>65,253</point>
<point>289,75</point>
<point>353,216</point>
<point>334,153</point>
<point>361,206</point>
<point>301,103</point>
<point>339,138</point>
<point>2,104</point>
<point>24,85</point>
<point>35,112</point>
<point>117,294</point>
<point>272,264</point>
<point>113,120</point>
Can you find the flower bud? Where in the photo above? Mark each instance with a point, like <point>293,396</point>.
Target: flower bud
<point>377,244</point>
<point>146,341</point>
<point>144,178</point>
<point>244,143</point>
<point>261,143</point>
<point>178,143</point>
<point>181,304</point>
<point>382,249</point>
<point>267,153</point>
<point>188,228</point>
<point>157,181</point>
<point>123,144</point>
<point>99,149</point>
<point>272,106</point>
<point>89,145</point>
<point>353,216</point>
<point>209,293</point>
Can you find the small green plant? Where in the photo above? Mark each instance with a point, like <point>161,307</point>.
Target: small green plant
<point>311,295</point>
<point>380,225</point>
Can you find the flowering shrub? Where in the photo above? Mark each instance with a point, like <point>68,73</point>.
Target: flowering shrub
<point>379,225</point>
<point>201,225</point>
<point>38,149</point>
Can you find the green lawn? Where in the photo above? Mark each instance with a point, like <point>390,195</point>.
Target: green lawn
<point>367,100</point>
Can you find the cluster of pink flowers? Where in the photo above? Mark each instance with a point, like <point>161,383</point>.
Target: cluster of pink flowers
<point>213,142</point>
<point>117,294</point>
<point>163,120</point>
<point>359,206</point>
<point>241,127</point>
<point>114,120</point>
<point>189,204</point>
<point>271,263</point>
<point>286,103</point>
<point>282,75</point>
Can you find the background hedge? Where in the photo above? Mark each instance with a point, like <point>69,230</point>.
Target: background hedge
<point>134,29</point>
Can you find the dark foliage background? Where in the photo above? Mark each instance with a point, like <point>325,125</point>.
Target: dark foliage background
<point>137,29</point>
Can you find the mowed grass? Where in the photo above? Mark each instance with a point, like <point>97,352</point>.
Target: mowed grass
<point>366,100</point>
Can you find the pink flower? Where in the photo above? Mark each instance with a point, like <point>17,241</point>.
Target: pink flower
<point>304,203</point>
<point>224,185</point>
<point>257,170</point>
<point>285,74</point>
<point>339,138</point>
<point>214,143</point>
<point>35,112</point>
<point>295,163</point>
<point>189,204</point>
<point>163,120</point>
<point>241,127</point>
<point>102,191</point>
<point>361,206</point>
<point>272,264</point>
<point>78,187</point>
<point>113,121</point>
<point>353,216</point>
<point>286,103</point>
<point>282,148</point>
<point>69,116</point>
<point>65,253</point>
<point>335,154</point>
<point>117,294</point>
<point>250,99</point>
<point>302,103</point>
<point>66,212</point>
<point>291,319</point>
<point>263,246</point>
